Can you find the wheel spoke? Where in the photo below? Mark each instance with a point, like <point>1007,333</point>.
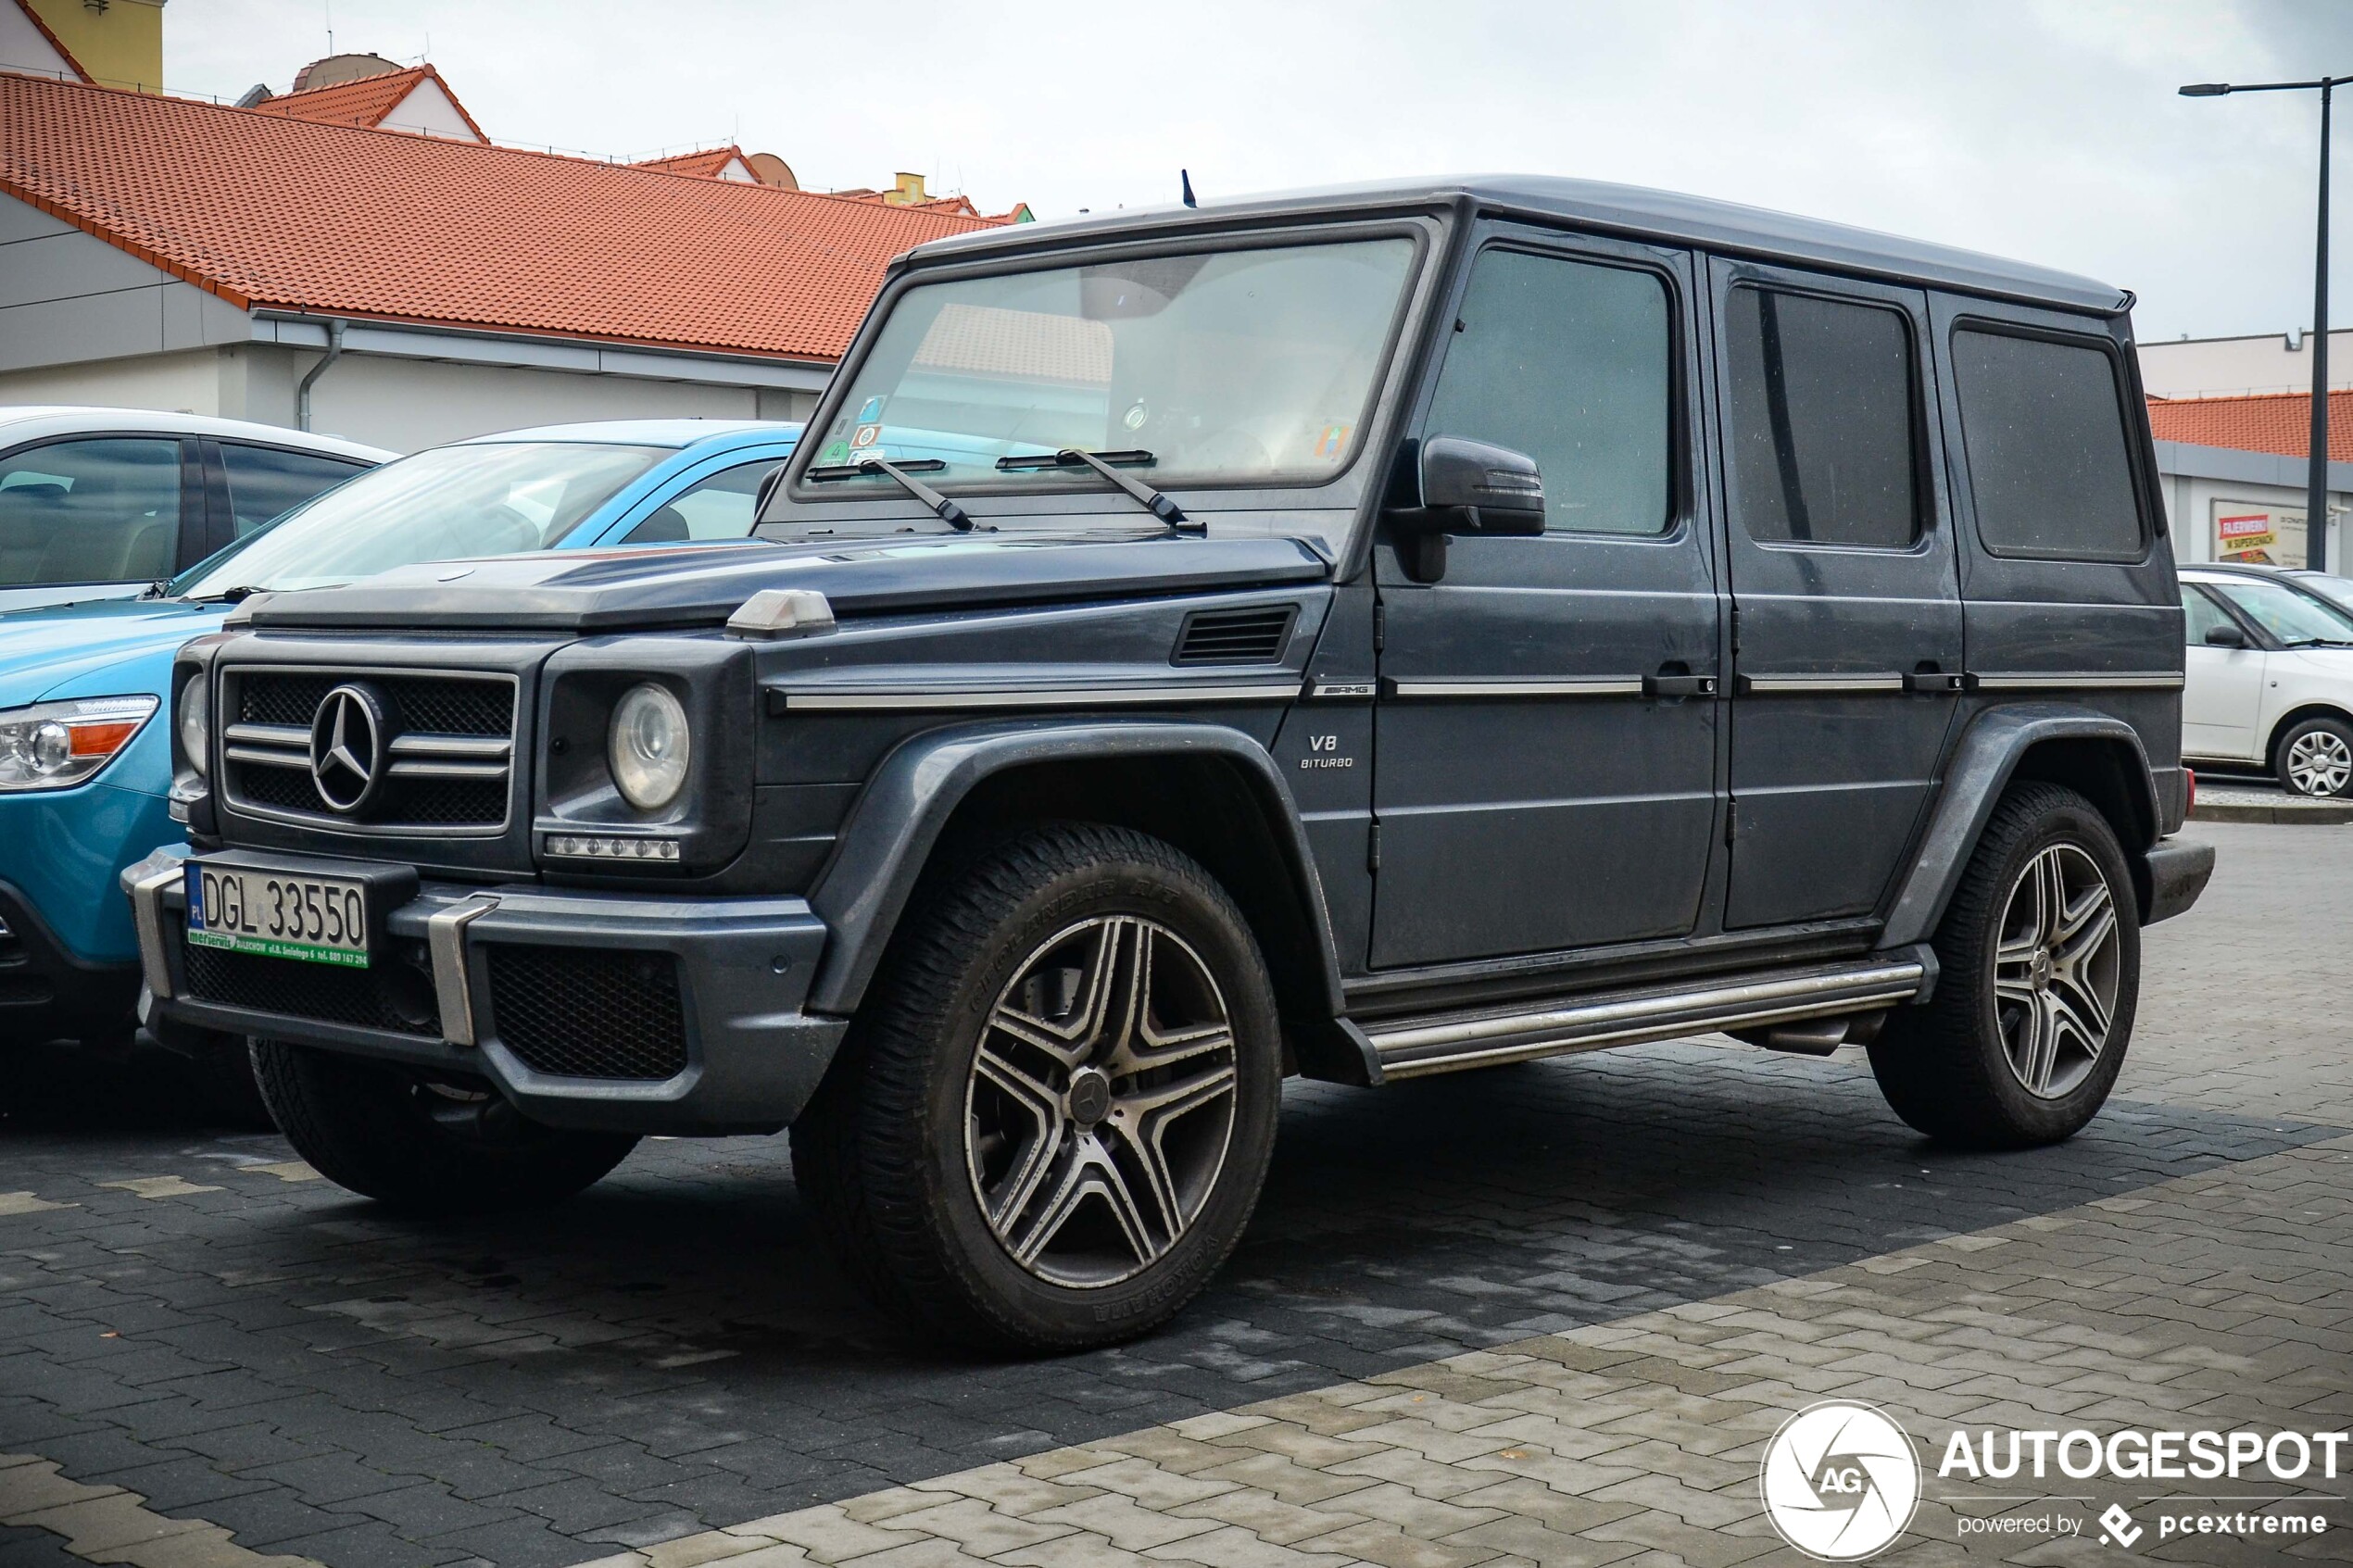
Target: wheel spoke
<point>1044,1108</point>
<point>2079,1011</point>
<point>1071,1039</point>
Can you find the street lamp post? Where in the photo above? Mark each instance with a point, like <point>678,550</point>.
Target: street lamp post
<point>2316,482</point>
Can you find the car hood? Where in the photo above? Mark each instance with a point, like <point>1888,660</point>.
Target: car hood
<point>67,650</point>
<point>585,591</point>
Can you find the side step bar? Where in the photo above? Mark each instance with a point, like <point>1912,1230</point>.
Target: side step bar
<point>1451,1042</point>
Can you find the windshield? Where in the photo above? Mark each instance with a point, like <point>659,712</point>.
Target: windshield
<point>473,500</point>
<point>2294,618</point>
<point>1221,367</point>
<point>2337,590</point>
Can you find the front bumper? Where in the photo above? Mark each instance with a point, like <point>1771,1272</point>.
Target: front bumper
<point>586,981</point>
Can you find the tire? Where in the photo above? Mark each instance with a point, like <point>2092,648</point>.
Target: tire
<point>227,1068</point>
<point>992,1157</point>
<point>2008,1051</point>
<point>388,1135</point>
<point>2315,759</point>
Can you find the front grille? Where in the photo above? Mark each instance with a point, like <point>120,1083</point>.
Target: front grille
<point>585,1012</point>
<point>437,782</point>
<point>363,998</point>
<point>1235,637</point>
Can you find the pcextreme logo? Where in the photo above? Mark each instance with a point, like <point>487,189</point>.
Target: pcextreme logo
<point>1840,1481</point>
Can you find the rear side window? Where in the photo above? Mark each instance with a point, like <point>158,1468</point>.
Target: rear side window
<point>1822,429</point>
<point>1567,362</point>
<point>90,511</point>
<point>264,481</point>
<point>2048,461</point>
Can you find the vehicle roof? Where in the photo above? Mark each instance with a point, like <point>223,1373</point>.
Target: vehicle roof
<point>1721,226</point>
<point>639,433</point>
<point>33,421</point>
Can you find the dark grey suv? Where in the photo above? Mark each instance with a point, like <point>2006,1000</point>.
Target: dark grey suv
<point>1360,634</point>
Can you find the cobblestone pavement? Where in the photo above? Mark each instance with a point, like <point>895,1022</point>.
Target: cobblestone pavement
<point>1546,1313</point>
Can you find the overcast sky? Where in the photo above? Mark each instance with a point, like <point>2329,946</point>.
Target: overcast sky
<point>2046,129</point>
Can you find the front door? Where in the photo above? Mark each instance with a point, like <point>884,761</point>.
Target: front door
<point>1536,786</point>
<point>1846,615</point>
<point>2221,688</point>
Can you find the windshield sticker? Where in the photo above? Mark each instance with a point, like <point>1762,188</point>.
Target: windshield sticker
<point>867,435</point>
<point>835,452</point>
<point>1135,416</point>
<point>860,454</point>
<point>1333,442</point>
<point>870,412</point>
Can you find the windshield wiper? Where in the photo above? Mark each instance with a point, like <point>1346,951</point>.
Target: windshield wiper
<point>1149,498</point>
<point>159,589</point>
<point>238,595</point>
<point>950,512</point>
<point>2317,643</point>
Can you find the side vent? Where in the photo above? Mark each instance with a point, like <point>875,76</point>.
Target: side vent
<point>1235,637</point>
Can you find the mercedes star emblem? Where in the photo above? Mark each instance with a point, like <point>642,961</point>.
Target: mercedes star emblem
<point>347,748</point>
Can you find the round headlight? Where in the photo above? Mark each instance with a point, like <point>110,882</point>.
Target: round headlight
<point>195,726</point>
<point>649,746</point>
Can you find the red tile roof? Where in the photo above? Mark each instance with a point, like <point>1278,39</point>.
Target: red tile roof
<point>2278,422</point>
<point>267,211</point>
<point>362,100</point>
<point>705,164</point>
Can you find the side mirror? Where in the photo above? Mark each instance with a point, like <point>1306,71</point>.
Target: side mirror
<point>1466,487</point>
<point>2226,635</point>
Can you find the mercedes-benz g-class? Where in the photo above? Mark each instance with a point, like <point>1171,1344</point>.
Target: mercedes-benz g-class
<point>1359,635</point>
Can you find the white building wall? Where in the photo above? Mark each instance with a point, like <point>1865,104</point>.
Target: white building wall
<point>428,111</point>
<point>2220,367</point>
<point>26,48</point>
<point>405,404</point>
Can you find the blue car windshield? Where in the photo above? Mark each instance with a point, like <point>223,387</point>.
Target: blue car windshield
<point>482,499</point>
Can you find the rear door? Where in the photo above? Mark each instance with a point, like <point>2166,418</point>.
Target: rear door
<point>1846,620</point>
<point>1535,789</point>
<point>259,483</point>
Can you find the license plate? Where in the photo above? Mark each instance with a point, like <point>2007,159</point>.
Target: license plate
<point>278,915</point>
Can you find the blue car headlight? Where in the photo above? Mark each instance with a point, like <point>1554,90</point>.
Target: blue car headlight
<point>56,744</point>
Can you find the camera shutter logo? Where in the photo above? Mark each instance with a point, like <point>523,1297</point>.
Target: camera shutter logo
<point>1840,1481</point>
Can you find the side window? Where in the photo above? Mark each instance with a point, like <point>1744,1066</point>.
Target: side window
<point>2199,615</point>
<point>90,511</point>
<point>717,506</point>
<point>1567,362</point>
<point>1823,437</point>
<point>2048,462</point>
<point>264,481</point>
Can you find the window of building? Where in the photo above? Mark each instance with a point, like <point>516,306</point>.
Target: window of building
<point>90,511</point>
<point>718,507</point>
<point>265,481</point>
<point>1823,438</point>
<point>1567,362</point>
<point>2049,462</point>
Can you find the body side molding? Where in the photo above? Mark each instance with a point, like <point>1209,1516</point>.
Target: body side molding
<point>892,830</point>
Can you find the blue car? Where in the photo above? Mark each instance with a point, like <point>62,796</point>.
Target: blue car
<point>85,770</point>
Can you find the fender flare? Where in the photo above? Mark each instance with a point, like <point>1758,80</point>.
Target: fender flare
<point>1982,764</point>
<point>896,824</point>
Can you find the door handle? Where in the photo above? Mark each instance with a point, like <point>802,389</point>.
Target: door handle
<point>1941,681</point>
<point>1679,685</point>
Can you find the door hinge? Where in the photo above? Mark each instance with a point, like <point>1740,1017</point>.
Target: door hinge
<point>1372,848</point>
<point>1380,627</point>
<point>1731,820</point>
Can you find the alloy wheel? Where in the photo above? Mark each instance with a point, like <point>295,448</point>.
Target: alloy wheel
<point>2319,763</point>
<point>2057,970</point>
<point>1101,1102</point>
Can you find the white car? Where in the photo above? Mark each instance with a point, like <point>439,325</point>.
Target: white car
<point>2269,683</point>
<point>98,503</point>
